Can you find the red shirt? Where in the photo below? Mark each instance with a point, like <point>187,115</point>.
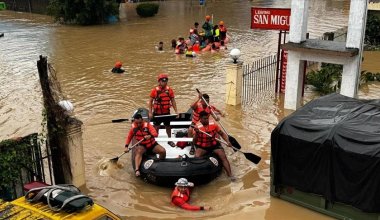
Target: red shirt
<point>180,199</point>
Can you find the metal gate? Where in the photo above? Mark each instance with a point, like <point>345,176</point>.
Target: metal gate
<point>39,168</point>
<point>259,79</point>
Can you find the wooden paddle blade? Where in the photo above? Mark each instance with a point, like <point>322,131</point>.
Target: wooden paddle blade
<point>119,120</point>
<point>114,160</point>
<point>252,157</point>
<point>234,142</point>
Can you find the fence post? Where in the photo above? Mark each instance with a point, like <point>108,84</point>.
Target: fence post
<point>234,79</point>
<point>60,165</point>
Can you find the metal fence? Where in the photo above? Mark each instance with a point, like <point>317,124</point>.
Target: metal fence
<point>259,79</point>
<point>39,171</point>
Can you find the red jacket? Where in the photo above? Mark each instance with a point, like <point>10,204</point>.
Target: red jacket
<point>180,199</point>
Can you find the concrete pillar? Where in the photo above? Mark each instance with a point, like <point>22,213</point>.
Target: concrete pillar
<point>75,148</point>
<point>355,39</point>
<point>234,80</point>
<point>298,20</point>
<point>294,80</point>
<point>294,71</point>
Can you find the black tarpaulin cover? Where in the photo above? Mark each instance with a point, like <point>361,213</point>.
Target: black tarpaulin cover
<point>331,147</point>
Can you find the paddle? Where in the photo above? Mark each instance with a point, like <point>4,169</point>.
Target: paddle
<point>250,156</point>
<point>126,119</point>
<point>230,138</point>
<point>119,120</point>
<point>164,116</point>
<point>114,160</point>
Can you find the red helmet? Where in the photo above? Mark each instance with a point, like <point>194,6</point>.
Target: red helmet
<point>118,64</point>
<point>162,76</point>
<point>208,17</point>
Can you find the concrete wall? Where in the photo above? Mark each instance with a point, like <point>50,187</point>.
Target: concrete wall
<point>374,6</point>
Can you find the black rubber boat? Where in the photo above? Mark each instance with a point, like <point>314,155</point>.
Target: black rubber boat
<point>178,163</point>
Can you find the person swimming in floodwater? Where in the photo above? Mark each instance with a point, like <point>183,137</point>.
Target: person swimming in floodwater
<point>160,46</point>
<point>117,68</point>
<point>174,44</point>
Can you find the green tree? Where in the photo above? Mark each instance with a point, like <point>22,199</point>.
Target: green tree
<point>15,155</point>
<point>84,12</point>
<point>327,79</point>
<point>372,32</point>
<point>147,9</point>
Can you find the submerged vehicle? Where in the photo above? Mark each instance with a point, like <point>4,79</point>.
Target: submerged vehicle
<point>179,163</point>
<point>54,202</point>
<point>326,156</point>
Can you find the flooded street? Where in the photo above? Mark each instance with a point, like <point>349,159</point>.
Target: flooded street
<point>83,57</point>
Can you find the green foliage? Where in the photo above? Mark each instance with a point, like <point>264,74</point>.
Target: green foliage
<point>147,9</point>
<point>372,33</point>
<point>84,12</point>
<point>14,155</point>
<point>327,79</point>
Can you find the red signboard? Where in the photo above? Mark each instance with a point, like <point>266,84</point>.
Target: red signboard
<point>270,18</point>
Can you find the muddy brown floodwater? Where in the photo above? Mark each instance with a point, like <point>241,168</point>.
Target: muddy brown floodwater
<point>83,57</point>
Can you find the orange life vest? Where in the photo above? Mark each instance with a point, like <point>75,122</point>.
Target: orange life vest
<point>204,140</point>
<point>177,193</point>
<point>141,132</point>
<point>198,110</point>
<point>162,101</point>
